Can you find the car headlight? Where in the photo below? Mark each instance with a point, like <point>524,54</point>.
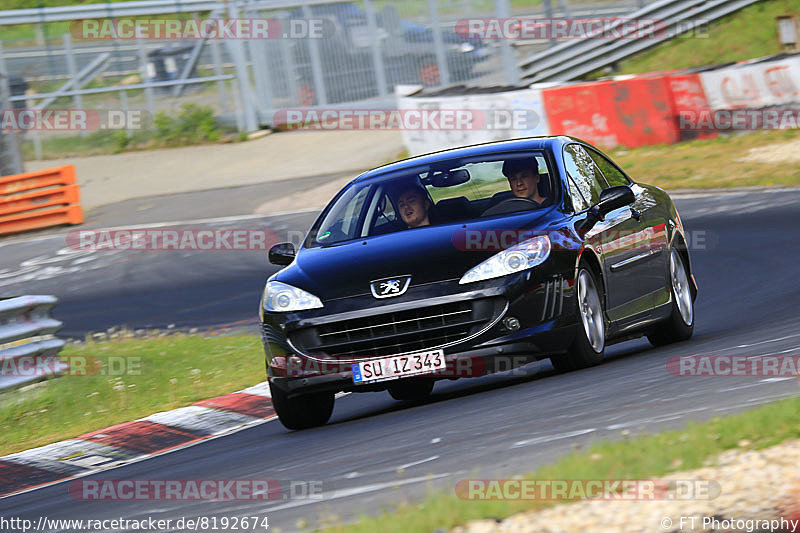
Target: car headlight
<point>522,256</point>
<point>466,47</point>
<point>280,297</point>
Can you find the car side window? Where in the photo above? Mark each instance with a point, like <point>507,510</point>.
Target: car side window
<point>578,202</point>
<point>583,171</point>
<point>385,214</point>
<point>612,174</point>
<point>341,222</point>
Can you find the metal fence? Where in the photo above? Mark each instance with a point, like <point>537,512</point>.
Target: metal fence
<point>28,348</point>
<point>572,59</point>
<point>363,51</point>
<point>10,153</point>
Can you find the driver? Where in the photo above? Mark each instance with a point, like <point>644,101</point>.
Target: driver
<point>414,206</point>
<point>523,179</point>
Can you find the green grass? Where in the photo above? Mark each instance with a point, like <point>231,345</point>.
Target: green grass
<point>193,125</point>
<point>746,34</point>
<point>149,375</point>
<point>96,143</point>
<point>637,458</point>
<point>25,34</point>
<point>713,163</point>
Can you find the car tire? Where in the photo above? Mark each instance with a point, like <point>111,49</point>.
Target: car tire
<point>680,324</point>
<point>411,390</point>
<point>302,412</point>
<point>588,347</point>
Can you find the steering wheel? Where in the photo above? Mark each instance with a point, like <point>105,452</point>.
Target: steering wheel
<point>509,205</point>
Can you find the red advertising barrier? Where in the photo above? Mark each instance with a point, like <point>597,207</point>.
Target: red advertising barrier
<point>632,112</point>
<point>688,96</point>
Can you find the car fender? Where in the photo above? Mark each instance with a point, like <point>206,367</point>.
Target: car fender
<point>591,255</point>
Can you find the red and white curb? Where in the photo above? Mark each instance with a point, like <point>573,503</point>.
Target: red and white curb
<point>133,441</point>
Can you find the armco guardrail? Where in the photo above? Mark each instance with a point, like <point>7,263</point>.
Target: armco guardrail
<point>571,59</point>
<point>39,199</point>
<point>28,348</point>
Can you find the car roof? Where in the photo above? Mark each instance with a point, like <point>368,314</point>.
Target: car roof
<point>527,143</point>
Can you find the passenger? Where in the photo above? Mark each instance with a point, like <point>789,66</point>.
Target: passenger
<point>414,206</point>
<point>523,179</point>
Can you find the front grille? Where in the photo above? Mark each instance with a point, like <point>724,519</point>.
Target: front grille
<point>405,331</point>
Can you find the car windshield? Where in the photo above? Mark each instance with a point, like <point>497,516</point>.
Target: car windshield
<point>444,192</point>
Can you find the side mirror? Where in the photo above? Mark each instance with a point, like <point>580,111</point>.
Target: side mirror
<point>282,254</point>
<point>614,198</point>
<point>610,199</point>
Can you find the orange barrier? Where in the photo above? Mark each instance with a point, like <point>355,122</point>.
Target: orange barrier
<point>39,199</point>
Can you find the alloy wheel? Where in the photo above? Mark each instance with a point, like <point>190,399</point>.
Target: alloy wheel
<point>591,311</point>
<point>680,288</point>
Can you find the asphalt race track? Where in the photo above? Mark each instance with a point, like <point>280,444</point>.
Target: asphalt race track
<point>376,451</point>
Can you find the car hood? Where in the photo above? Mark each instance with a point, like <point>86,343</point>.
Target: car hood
<point>428,255</point>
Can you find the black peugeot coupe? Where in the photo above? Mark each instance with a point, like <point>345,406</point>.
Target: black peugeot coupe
<point>471,261</point>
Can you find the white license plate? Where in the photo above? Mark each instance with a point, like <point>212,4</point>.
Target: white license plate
<point>398,366</point>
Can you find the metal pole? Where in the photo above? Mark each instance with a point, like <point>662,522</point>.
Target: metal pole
<point>509,63</point>
<point>44,34</point>
<point>237,50</point>
<point>237,106</point>
<point>193,58</point>
<point>187,68</point>
<point>148,92</point>
<point>10,155</point>
<point>73,72</point>
<point>38,30</point>
<point>316,64</point>
<point>37,145</point>
<point>259,58</point>
<point>548,15</point>
<point>441,56</point>
<point>123,99</point>
<point>16,153</point>
<point>82,78</point>
<point>289,68</point>
<point>217,58</point>
<point>377,56</point>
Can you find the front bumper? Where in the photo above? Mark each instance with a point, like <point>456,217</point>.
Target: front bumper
<point>468,364</point>
<point>544,310</point>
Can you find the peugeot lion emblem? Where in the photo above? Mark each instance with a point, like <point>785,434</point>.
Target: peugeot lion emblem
<point>388,287</point>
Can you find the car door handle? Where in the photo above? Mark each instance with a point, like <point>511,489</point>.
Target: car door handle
<point>636,214</point>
